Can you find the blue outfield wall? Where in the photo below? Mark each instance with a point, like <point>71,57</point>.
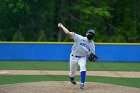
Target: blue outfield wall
<point>61,51</point>
<point>118,52</point>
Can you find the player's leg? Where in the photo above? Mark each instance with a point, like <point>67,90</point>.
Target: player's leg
<point>82,64</point>
<point>73,68</point>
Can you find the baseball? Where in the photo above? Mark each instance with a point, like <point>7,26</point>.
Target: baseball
<point>59,24</point>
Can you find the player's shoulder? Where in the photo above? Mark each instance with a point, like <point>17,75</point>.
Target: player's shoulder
<point>78,35</point>
<point>84,38</point>
<point>92,41</point>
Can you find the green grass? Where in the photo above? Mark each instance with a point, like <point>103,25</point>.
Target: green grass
<point>10,79</point>
<point>43,65</point>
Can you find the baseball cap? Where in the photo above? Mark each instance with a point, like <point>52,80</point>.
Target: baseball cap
<point>91,31</point>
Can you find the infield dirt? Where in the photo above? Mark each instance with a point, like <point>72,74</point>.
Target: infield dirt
<point>65,87</point>
<point>130,74</point>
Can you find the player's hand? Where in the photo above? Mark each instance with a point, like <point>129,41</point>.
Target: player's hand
<point>60,25</point>
<point>92,57</point>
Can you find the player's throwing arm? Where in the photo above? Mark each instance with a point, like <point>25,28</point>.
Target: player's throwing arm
<point>64,29</point>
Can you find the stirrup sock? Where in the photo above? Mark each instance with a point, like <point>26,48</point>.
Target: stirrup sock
<point>71,78</point>
<point>83,75</point>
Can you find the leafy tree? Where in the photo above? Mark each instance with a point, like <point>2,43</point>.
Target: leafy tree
<point>18,36</point>
<point>42,36</point>
<point>113,20</point>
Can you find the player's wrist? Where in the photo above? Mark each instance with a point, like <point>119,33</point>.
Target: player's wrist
<point>62,26</point>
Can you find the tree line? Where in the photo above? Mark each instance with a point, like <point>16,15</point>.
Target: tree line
<point>36,20</point>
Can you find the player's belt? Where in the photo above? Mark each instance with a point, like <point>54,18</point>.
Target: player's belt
<point>77,56</point>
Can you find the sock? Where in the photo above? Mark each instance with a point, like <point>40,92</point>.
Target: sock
<point>71,78</point>
<point>83,75</point>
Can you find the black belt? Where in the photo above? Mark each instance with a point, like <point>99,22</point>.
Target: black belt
<point>77,56</point>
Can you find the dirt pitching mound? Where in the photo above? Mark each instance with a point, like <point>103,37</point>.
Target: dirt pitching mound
<point>64,87</point>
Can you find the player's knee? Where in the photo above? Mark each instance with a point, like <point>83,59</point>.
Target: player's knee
<point>82,68</point>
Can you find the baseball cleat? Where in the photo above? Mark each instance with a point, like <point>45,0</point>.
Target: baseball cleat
<point>73,82</point>
<point>81,86</point>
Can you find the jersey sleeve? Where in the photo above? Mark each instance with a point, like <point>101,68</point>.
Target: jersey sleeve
<point>76,37</point>
<point>92,49</point>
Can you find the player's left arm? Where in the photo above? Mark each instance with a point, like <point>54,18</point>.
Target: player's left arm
<point>93,47</point>
<point>92,57</point>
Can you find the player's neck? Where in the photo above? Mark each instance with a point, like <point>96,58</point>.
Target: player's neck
<point>89,40</point>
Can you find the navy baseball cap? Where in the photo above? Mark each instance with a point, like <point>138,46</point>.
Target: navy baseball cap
<point>91,31</point>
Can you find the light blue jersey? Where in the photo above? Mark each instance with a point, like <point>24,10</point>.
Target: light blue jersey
<point>82,46</point>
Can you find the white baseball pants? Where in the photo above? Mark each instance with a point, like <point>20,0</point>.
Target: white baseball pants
<point>74,62</point>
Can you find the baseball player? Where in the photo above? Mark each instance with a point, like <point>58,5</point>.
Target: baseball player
<point>82,49</point>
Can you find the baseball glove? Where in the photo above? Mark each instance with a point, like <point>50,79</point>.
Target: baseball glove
<point>92,57</point>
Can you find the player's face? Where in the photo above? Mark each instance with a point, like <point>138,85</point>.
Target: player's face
<point>90,36</point>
